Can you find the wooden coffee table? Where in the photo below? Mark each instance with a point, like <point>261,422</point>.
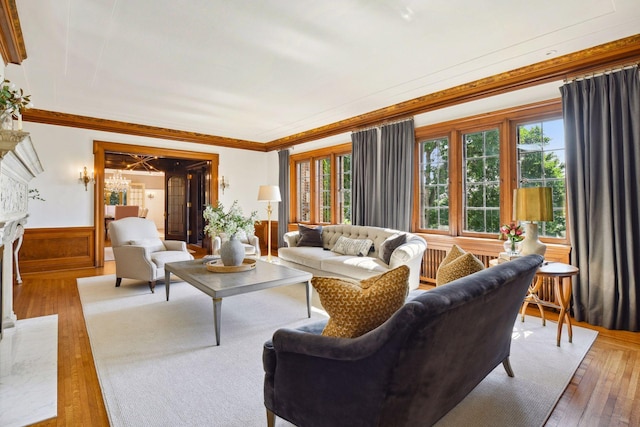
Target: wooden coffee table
<point>220,285</point>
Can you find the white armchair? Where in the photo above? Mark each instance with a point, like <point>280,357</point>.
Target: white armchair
<point>139,252</point>
<point>251,244</point>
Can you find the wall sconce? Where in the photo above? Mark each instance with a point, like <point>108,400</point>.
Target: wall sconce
<point>85,178</point>
<point>224,184</point>
<point>151,195</point>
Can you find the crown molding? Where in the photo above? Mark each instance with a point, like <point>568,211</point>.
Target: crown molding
<point>612,54</point>
<point>606,55</point>
<point>84,122</point>
<point>12,46</point>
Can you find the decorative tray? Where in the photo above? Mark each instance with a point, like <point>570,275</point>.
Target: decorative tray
<point>217,266</point>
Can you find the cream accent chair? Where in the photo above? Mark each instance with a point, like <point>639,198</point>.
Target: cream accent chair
<point>140,253</point>
<point>251,244</point>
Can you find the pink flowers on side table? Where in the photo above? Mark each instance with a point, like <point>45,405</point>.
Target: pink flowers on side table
<point>513,233</point>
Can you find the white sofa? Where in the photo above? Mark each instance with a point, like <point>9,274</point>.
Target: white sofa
<point>322,261</point>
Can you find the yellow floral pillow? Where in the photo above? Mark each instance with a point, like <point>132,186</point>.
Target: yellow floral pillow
<point>457,264</point>
<point>356,308</point>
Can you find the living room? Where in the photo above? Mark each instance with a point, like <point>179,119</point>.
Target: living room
<point>65,131</point>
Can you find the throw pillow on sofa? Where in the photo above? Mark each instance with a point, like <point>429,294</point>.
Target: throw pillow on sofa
<point>154,245</point>
<point>347,246</point>
<point>390,245</point>
<point>357,307</point>
<point>457,264</point>
<point>310,236</point>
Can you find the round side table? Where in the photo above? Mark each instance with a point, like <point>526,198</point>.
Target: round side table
<point>562,290</point>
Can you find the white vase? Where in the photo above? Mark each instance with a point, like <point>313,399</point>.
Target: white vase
<point>232,252</point>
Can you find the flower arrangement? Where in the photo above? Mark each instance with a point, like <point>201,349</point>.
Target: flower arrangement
<point>13,100</point>
<point>229,223</point>
<point>512,232</point>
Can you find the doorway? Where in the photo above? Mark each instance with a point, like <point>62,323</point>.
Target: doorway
<point>191,179</point>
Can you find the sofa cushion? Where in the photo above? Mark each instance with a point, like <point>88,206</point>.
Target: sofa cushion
<point>347,246</point>
<point>357,307</point>
<point>457,264</point>
<point>390,245</point>
<point>354,267</point>
<point>306,256</point>
<point>310,236</point>
<point>154,244</point>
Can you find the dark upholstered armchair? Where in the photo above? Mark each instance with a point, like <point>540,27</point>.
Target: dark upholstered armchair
<point>411,370</point>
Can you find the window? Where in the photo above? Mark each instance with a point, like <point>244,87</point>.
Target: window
<point>323,190</point>
<point>326,199</point>
<point>481,183</point>
<point>468,169</point>
<point>541,163</point>
<point>303,178</point>
<point>343,198</point>
<point>434,188</point>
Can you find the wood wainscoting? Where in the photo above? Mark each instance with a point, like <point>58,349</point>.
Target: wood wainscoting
<point>262,231</point>
<point>51,249</point>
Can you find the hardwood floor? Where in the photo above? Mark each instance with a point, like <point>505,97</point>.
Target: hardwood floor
<point>604,391</point>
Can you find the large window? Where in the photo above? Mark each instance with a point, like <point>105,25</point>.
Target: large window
<point>481,183</point>
<point>434,188</point>
<point>469,168</point>
<point>321,187</point>
<point>541,163</point>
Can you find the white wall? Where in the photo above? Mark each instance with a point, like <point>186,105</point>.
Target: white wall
<point>64,151</point>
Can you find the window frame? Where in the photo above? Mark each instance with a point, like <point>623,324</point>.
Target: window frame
<point>507,122</point>
<point>332,153</point>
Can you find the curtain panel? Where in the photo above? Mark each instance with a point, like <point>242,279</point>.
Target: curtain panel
<point>364,170</point>
<point>396,175</point>
<point>283,206</point>
<point>602,137</point>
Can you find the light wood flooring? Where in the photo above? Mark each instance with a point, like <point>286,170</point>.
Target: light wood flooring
<point>605,390</point>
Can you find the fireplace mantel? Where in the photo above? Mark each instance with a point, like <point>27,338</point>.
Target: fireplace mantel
<point>19,164</point>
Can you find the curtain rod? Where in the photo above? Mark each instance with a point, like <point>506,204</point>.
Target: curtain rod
<point>600,73</point>
<point>384,123</point>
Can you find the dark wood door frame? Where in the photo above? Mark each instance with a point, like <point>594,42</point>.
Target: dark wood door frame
<point>99,150</point>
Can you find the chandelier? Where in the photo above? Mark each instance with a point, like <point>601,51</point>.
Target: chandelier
<point>117,183</point>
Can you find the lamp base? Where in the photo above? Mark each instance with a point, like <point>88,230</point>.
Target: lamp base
<point>531,244</point>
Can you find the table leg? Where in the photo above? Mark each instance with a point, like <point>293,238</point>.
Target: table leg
<point>217,311</point>
<point>308,298</point>
<point>564,297</point>
<point>532,296</point>
<point>167,282</point>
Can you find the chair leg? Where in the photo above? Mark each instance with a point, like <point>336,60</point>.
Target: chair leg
<point>271,419</point>
<point>507,366</point>
<point>152,286</point>
<point>118,281</point>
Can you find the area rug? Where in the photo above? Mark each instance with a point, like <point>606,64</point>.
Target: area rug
<point>158,365</point>
<point>29,371</point>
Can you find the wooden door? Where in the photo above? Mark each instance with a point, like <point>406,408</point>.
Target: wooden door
<point>175,217</point>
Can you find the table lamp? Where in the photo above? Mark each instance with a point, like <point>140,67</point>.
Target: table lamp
<point>533,204</point>
<point>269,193</point>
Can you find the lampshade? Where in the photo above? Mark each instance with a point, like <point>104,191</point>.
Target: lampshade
<point>533,204</point>
<point>269,193</point>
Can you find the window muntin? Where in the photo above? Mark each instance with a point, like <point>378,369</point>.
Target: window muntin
<point>303,179</point>
<point>541,163</point>
<point>481,181</point>
<point>434,185</point>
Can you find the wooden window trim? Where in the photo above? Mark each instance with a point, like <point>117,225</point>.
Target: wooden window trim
<point>506,120</point>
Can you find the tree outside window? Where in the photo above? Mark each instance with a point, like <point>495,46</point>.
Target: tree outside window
<point>434,185</point>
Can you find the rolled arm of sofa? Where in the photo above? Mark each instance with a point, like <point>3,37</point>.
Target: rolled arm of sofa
<point>291,238</point>
<point>175,245</point>
<point>410,254</point>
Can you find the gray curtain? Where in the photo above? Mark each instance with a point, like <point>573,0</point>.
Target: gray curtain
<point>283,206</point>
<point>397,142</point>
<point>364,170</point>
<point>602,136</point>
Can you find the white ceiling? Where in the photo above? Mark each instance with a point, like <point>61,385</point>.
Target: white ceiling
<point>260,70</point>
